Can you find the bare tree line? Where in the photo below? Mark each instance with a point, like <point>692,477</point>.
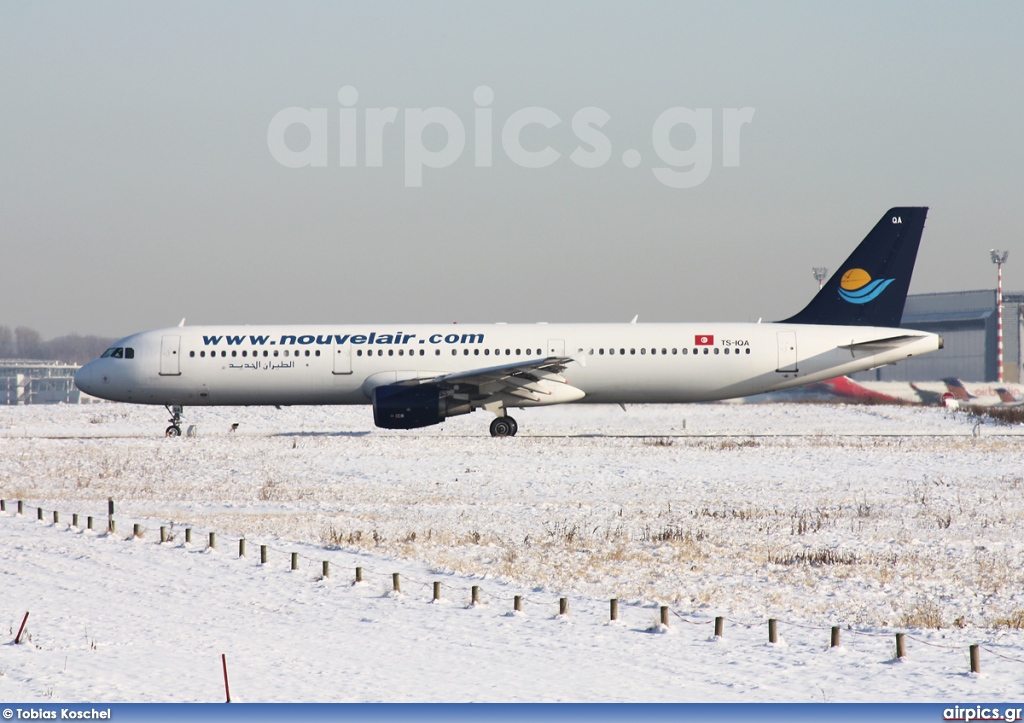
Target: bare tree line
<point>26,343</point>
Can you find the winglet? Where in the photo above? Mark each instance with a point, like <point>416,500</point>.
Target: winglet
<point>182,322</point>
<point>634,319</point>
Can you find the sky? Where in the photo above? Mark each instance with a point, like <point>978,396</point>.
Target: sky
<point>147,153</point>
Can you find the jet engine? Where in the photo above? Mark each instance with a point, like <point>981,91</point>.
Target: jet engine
<point>398,406</point>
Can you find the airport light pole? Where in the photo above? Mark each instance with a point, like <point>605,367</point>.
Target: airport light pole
<point>999,258</point>
<point>820,272</point>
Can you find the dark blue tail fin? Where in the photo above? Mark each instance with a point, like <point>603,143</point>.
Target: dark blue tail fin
<point>870,288</point>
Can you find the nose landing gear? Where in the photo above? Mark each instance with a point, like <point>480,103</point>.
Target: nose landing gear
<point>175,429</point>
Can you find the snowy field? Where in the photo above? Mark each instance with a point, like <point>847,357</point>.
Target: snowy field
<point>877,519</point>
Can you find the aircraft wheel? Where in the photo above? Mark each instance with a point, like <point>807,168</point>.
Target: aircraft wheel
<point>173,431</point>
<point>503,427</point>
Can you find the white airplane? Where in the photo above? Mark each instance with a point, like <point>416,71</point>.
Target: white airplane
<point>419,375</point>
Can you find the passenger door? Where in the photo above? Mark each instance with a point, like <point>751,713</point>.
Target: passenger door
<point>169,348</point>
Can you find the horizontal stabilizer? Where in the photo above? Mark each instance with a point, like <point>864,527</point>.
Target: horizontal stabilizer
<point>892,342</point>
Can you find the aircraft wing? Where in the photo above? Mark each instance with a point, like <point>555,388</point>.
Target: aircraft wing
<point>529,379</point>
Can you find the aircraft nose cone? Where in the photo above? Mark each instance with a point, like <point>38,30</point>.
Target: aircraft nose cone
<point>85,378</point>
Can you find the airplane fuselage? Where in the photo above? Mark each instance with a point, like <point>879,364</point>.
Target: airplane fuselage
<point>613,363</point>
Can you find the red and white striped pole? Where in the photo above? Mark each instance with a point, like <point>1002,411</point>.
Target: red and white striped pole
<point>999,259</point>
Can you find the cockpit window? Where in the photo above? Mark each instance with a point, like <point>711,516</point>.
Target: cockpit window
<point>118,353</point>
<point>108,352</point>
<point>129,353</point>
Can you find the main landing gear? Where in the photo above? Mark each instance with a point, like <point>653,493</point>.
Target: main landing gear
<point>504,427</point>
<point>175,429</point>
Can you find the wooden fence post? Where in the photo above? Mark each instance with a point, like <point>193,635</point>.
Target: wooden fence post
<point>111,527</point>
<point>773,630</point>
<point>110,514</point>
<point>21,507</point>
<point>295,561</point>
<point>39,513</point>
<point>56,517</point>
<point>613,612</point>
<point>88,522</point>
<point>263,554</point>
<point>395,584</point>
<point>74,520</point>
<point>241,547</point>
<point>227,690</point>
<point>563,606</point>
<point>213,541</point>
<point>163,534</point>
<point>136,530</point>
<point>327,568</point>
<point>517,603</point>
<point>437,591</point>
<point>901,646</point>
<point>719,627</point>
<point>834,641</point>
<point>664,615</point>
<point>17,638</point>
<point>474,598</point>
<point>188,535</point>
<point>359,574</point>
<point>975,660</point>
<point>3,505</point>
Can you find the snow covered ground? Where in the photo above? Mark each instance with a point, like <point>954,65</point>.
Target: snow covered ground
<point>876,519</point>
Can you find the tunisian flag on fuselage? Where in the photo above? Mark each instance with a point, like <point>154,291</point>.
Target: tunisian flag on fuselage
<point>704,340</point>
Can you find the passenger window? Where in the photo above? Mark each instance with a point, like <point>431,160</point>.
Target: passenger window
<point>437,352</point>
<point>359,352</point>
<point>317,352</point>
<point>665,351</point>
<point>685,352</point>
<point>223,353</point>
<point>487,352</point>
<point>518,352</point>
<point>245,353</point>
<point>234,353</point>
<point>275,352</point>
<point>307,352</point>
<point>202,353</point>
<point>600,352</point>
<point>266,352</point>
<point>465,352</point>
<point>622,351</point>
<point>706,350</point>
<point>673,351</point>
<point>644,351</point>
<point>612,352</point>
<point>476,352</point>
<point>748,350</point>
<point>508,352</point>
<point>401,352</point>
<point>455,352</point>
<point>391,352</point>
<point>632,351</point>
<point>192,353</point>
<point>716,350</point>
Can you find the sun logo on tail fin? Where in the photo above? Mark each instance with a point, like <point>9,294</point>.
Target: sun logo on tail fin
<point>857,287</point>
